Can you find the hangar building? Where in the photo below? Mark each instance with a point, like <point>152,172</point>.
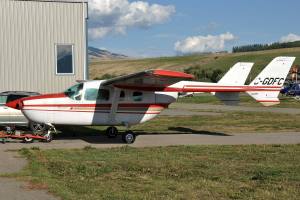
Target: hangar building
<point>43,44</point>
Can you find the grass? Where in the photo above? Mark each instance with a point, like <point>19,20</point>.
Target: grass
<point>222,123</point>
<point>245,100</point>
<point>212,61</point>
<point>227,122</point>
<point>183,172</point>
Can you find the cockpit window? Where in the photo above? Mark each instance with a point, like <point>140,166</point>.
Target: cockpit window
<point>93,94</point>
<point>75,92</point>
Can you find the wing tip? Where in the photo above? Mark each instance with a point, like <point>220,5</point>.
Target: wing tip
<point>174,74</point>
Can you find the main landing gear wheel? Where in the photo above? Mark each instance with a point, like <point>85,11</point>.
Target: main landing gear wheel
<point>112,132</point>
<point>128,137</point>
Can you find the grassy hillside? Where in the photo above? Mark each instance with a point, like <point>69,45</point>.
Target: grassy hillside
<point>220,61</point>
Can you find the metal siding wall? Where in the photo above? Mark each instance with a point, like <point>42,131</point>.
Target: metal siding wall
<point>29,32</point>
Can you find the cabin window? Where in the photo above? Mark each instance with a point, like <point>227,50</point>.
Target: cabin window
<point>75,92</point>
<point>122,95</point>
<point>64,59</point>
<point>103,95</point>
<point>137,96</point>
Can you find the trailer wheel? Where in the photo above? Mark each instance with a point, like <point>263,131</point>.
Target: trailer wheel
<point>28,140</point>
<point>48,137</point>
<point>37,127</point>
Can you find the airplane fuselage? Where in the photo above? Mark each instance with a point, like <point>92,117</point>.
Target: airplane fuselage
<point>91,104</point>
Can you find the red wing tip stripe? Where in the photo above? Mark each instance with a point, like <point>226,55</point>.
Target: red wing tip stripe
<point>175,74</point>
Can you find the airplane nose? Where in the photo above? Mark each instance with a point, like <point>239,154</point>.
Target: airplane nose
<point>16,104</point>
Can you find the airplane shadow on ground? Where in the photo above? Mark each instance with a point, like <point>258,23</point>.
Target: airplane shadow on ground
<point>184,130</point>
<point>94,136</point>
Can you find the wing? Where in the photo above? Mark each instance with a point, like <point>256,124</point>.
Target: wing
<point>150,80</point>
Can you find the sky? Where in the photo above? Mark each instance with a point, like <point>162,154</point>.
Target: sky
<point>156,28</point>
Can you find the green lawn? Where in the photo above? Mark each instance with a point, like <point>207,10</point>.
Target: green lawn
<point>183,172</point>
<point>223,123</point>
<point>227,122</point>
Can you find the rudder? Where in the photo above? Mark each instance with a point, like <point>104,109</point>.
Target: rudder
<point>266,86</point>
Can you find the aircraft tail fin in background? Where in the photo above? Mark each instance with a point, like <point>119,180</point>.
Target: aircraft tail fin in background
<point>266,86</point>
<point>237,75</point>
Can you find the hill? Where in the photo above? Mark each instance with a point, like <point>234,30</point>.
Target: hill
<point>180,63</point>
<point>95,53</point>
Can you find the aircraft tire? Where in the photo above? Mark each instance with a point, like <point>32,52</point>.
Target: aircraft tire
<point>112,132</point>
<point>48,138</point>
<point>128,137</point>
<point>28,140</point>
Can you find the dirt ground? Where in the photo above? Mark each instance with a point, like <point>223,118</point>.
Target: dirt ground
<point>11,189</point>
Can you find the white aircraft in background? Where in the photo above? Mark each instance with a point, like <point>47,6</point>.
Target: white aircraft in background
<point>137,98</point>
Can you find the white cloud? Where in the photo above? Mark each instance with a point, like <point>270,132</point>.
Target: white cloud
<point>290,38</point>
<point>116,16</point>
<point>199,44</point>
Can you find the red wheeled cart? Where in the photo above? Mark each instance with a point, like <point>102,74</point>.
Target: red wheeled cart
<point>27,137</point>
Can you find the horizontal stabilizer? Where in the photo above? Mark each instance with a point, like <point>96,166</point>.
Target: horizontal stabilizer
<point>237,75</point>
<point>229,98</point>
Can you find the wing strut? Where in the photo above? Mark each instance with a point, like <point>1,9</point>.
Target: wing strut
<point>114,106</point>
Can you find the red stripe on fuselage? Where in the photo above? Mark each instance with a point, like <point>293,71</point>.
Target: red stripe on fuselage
<point>92,111</point>
<point>201,88</point>
<point>46,96</point>
<point>102,105</point>
<point>232,86</point>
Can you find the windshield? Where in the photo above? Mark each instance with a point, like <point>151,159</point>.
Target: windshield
<point>75,92</point>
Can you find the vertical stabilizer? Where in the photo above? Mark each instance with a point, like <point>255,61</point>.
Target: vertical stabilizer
<point>266,86</point>
<point>236,76</point>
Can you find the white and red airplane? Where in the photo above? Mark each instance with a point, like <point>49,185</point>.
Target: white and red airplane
<point>137,98</point>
